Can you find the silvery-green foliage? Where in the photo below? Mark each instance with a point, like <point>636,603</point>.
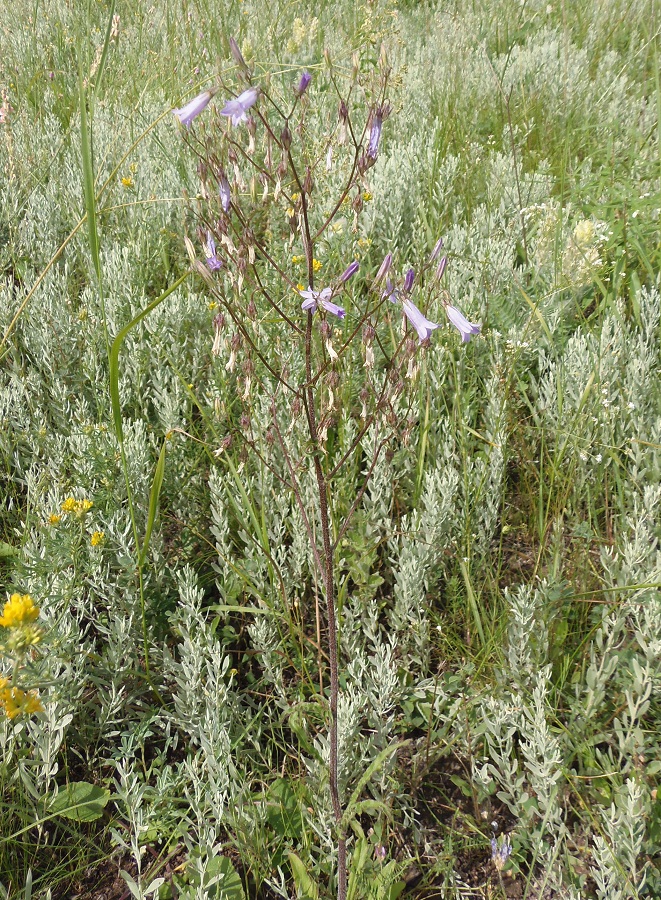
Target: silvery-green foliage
<point>416,552</point>
<point>202,698</point>
<point>616,868</point>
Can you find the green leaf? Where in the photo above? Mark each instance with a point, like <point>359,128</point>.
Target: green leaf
<point>283,810</point>
<point>153,499</point>
<point>306,888</point>
<point>80,801</point>
<point>7,549</point>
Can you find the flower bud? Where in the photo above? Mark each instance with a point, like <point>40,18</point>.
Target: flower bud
<point>308,181</point>
<point>303,84</point>
<point>237,55</point>
<point>325,328</point>
<point>441,267</point>
<point>437,249</point>
<point>285,138</point>
<point>384,268</point>
<point>349,271</point>
<point>408,280</point>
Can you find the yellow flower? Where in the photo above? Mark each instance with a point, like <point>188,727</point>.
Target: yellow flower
<point>290,211</point>
<point>127,182</point>
<point>15,701</point>
<point>79,507</point>
<point>54,519</point>
<point>300,287</point>
<point>19,610</point>
<point>367,196</point>
<point>295,197</point>
<point>297,259</point>
<point>212,305</point>
<point>97,538</point>
<point>316,265</point>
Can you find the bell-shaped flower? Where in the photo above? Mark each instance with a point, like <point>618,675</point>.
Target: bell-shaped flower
<point>384,268</point>
<point>193,108</point>
<point>461,323</point>
<point>409,278</point>
<point>421,324</point>
<point>323,297</point>
<point>214,262</point>
<point>438,246</point>
<point>237,109</point>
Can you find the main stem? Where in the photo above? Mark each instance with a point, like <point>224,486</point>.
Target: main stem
<point>329,585</point>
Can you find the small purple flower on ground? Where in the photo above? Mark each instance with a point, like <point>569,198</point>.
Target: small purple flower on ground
<point>312,298</point>
<point>237,109</point>
<point>188,112</point>
<point>461,323</point>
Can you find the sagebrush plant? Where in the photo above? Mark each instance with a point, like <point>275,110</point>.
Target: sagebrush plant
<point>498,582</point>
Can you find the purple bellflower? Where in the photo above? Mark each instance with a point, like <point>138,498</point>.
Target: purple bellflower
<point>193,108</point>
<point>312,298</point>
<point>441,267</point>
<point>421,324</point>
<point>391,292</point>
<point>375,135</point>
<point>214,262</point>
<point>303,84</point>
<point>461,323</point>
<point>350,270</point>
<point>237,110</point>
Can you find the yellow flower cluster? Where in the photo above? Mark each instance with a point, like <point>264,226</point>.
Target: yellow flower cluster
<point>17,616</point>
<point>19,610</point>
<point>54,519</point>
<point>97,538</point>
<point>297,260</point>
<point>79,507</point>
<point>15,701</point>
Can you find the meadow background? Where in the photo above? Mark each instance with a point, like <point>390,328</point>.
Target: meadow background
<point>501,612</point>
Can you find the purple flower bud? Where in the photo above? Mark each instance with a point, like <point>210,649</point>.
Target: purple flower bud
<point>193,108</point>
<point>225,194</point>
<point>441,267</point>
<point>375,135</point>
<point>349,271</point>
<point>384,268</point>
<point>303,84</point>
<point>408,280</point>
<point>237,55</point>
<point>437,249</point>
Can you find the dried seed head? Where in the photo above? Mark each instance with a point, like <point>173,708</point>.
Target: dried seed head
<point>326,329</point>
<point>285,138</point>
<point>251,310</point>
